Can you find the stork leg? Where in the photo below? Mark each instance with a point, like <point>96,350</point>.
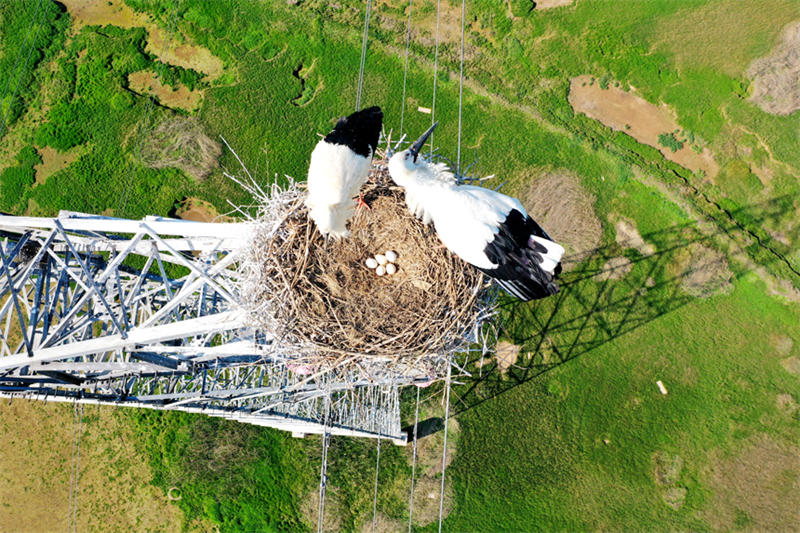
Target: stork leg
<point>361,203</point>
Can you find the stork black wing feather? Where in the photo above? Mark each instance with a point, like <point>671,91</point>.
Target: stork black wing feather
<point>518,268</point>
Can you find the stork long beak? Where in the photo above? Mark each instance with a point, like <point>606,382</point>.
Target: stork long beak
<point>419,143</point>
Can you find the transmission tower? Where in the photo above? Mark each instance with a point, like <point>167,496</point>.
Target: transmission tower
<point>146,313</point>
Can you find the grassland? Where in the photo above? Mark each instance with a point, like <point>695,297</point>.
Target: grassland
<point>575,435</point>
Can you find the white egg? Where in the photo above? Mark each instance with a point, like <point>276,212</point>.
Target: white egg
<point>390,256</point>
<point>371,263</point>
<point>391,269</point>
<point>381,259</point>
<point>381,270</point>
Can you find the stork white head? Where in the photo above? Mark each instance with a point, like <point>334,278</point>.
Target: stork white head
<point>403,165</point>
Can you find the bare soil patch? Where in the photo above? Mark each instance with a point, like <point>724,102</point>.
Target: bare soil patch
<point>631,114</point>
<point>506,354</point>
<point>146,81</point>
<point>114,491</point>
<point>628,237</point>
<point>666,468</point>
<point>675,497</point>
<point>783,344</point>
<point>787,404</point>
<point>776,77</point>
<point>550,4</point>
<point>615,268</point>
<point>383,524</point>
<point>184,55</point>
<point>53,161</point>
<point>702,270</point>
<point>762,482</point>
<point>117,13</point>
<point>199,211</point>
<point>426,500</point>
<point>309,509</point>
<point>792,365</point>
<point>558,201</point>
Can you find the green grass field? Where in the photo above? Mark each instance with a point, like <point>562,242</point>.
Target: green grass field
<point>576,435</point>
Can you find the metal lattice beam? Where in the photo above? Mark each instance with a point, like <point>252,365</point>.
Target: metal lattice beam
<point>146,313</point>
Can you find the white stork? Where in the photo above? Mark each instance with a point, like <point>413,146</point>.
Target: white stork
<point>339,167</point>
<point>485,228</point>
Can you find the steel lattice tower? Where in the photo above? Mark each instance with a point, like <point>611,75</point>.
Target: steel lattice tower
<point>146,313</point>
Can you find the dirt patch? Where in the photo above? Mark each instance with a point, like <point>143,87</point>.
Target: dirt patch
<point>615,268</point>
<point>702,270</point>
<point>147,82</point>
<point>199,211</point>
<point>626,112</point>
<point>628,237</point>
<point>179,142</point>
<point>383,524</point>
<point>558,201</point>
<point>787,404</point>
<point>309,510</point>
<point>114,491</point>
<point>117,13</point>
<point>758,486</point>
<point>184,55</point>
<point>549,4</point>
<point>506,355</point>
<point>666,468</point>
<point>53,161</point>
<point>426,500</point>
<point>792,365</point>
<point>776,77</point>
<point>675,497</point>
<point>783,344</point>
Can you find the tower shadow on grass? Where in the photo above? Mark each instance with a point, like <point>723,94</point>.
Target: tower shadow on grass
<point>607,297</point>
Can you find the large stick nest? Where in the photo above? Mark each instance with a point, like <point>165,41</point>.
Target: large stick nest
<point>325,307</point>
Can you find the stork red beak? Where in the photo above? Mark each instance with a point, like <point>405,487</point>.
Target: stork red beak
<point>419,143</point>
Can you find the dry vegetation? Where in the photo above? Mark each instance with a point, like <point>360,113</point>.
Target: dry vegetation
<point>114,485</point>
<point>776,77</point>
<point>757,488</point>
<point>702,270</point>
<point>558,201</point>
<point>325,304</point>
<point>179,142</point>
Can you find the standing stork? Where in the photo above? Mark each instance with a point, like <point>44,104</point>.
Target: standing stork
<point>339,167</point>
<point>485,228</point>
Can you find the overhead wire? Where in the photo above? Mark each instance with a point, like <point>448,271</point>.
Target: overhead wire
<point>413,464</point>
<point>363,54</point>
<point>435,71</point>
<point>375,495</point>
<point>444,450</point>
<point>75,468</point>
<point>461,86</point>
<point>323,474</point>
<point>405,68</point>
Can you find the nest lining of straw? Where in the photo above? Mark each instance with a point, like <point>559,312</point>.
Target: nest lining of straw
<point>323,305</point>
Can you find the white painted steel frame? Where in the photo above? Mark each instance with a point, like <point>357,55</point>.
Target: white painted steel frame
<point>145,313</point>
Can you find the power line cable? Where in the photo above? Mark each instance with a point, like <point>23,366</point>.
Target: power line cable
<point>363,54</point>
<point>461,87</point>
<point>405,69</point>
<point>435,72</point>
<point>444,450</point>
<point>413,464</point>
